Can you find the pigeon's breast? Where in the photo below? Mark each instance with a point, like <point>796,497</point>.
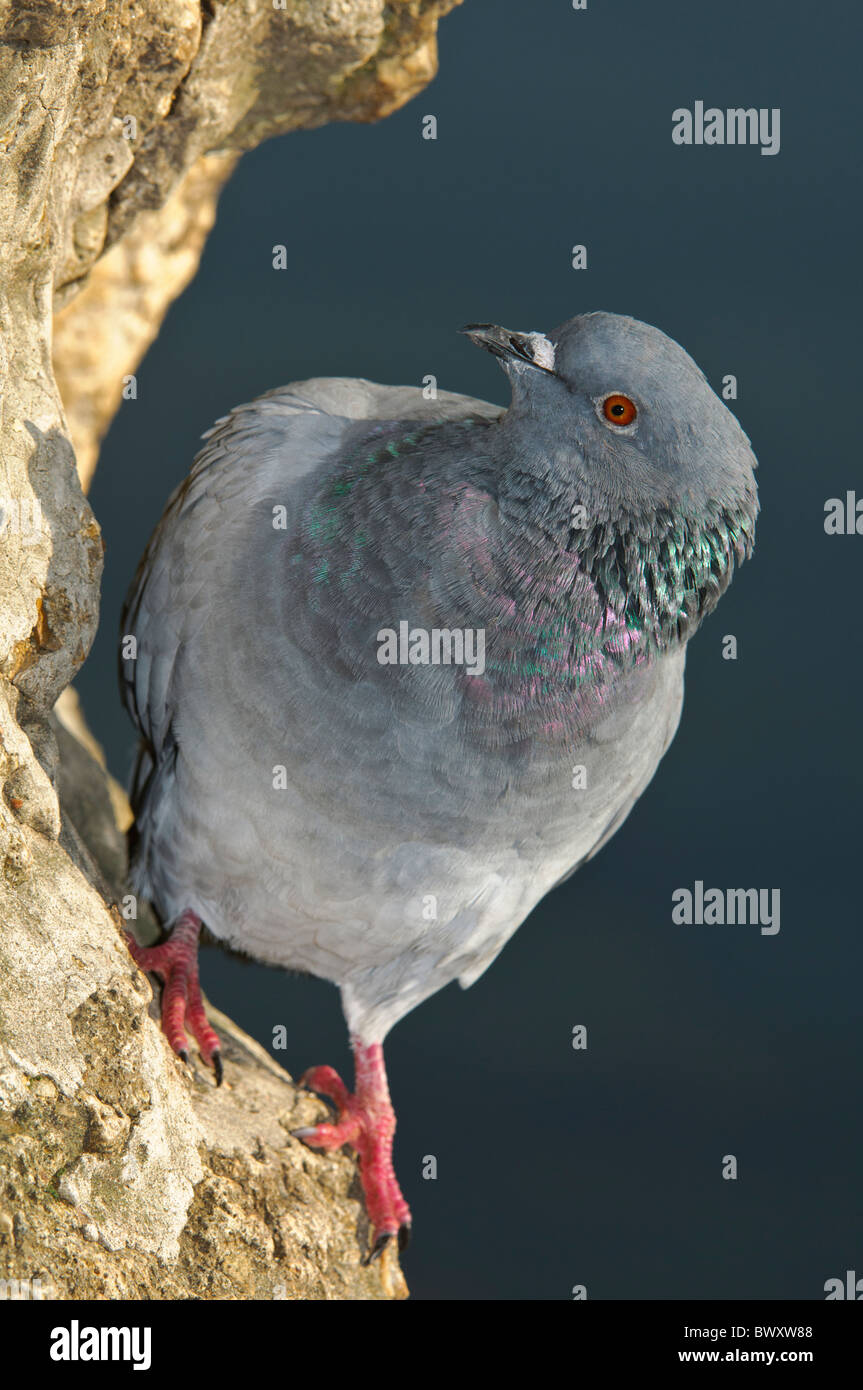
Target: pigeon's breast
<point>315,824</point>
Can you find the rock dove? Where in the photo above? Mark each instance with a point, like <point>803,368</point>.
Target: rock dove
<point>400,665</point>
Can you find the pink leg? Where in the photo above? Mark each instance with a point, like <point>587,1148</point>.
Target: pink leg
<point>366,1121</point>
<point>176,963</point>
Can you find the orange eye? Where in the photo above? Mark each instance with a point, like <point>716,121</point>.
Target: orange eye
<point>619,409</point>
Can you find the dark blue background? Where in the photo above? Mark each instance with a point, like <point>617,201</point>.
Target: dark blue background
<point>601,1167</point>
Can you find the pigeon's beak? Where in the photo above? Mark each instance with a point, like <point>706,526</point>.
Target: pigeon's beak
<point>525,349</point>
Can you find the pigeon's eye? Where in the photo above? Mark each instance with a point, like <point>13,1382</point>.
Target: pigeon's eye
<point>619,409</point>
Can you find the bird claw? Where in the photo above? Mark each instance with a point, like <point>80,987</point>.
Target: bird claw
<point>366,1122</point>
<point>326,1082</point>
<point>381,1242</point>
<point>175,961</point>
<point>384,1238</point>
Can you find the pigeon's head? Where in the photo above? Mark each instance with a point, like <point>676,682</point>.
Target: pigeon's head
<point>617,453</point>
<point>621,415</point>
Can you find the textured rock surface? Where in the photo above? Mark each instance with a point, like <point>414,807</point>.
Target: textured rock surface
<point>121,1175</point>
<point>171,93</point>
<point>101,335</point>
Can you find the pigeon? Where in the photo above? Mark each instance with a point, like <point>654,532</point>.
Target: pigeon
<point>402,660</point>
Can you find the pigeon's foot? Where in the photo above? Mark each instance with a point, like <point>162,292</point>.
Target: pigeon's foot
<point>367,1122</point>
<point>176,963</point>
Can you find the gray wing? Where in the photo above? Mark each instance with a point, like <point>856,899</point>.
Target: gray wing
<point>287,433</point>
